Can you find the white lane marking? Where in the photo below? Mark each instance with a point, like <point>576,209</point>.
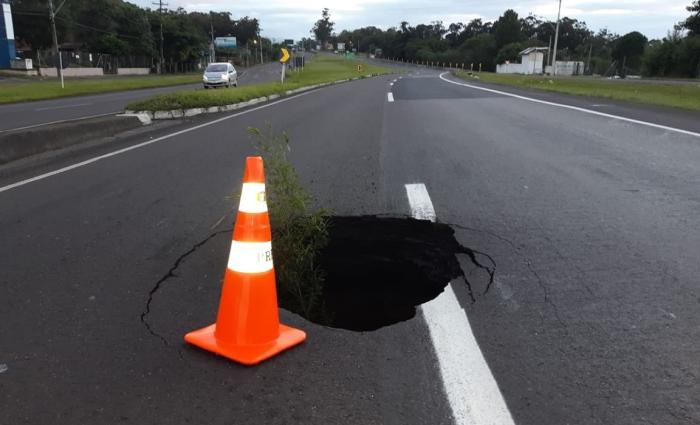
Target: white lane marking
<point>391,84</point>
<point>140,145</point>
<point>62,106</point>
<point>59,121</point>
<point>390,97</point>
<point>418,198</point>
<point>470,387</point>
<point>574,108</point>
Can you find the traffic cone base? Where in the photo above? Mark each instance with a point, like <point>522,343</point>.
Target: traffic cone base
<point>246,354</point>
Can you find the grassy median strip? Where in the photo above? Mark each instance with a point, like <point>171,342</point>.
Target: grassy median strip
<point>11,92</point>
<point>679,94</point>
<point>322,69</point>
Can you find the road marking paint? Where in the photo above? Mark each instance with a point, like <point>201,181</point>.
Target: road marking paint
<point>390,97</point>
<point>574,108</point>
<point>59,121</point>
<point>62,106</point>
<point>470,387</point>
<point>391,84</point>
<point>421,206</point>
<point>149,142</point>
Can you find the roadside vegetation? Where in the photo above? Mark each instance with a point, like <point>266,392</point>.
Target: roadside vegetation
<point>299,228</point>
<point>490,43</point>
<point>680,94</point>
<point>322,69</point>
<point>24,91</point>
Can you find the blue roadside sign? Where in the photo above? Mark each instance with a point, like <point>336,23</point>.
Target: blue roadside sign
<point>225,42</point>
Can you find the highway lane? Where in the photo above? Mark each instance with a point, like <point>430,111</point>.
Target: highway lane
<point>592,223</point>
<point>590,220</point>
<point>81,251</point>
<point>29,114</point>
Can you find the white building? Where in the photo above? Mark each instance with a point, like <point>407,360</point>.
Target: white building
<point>531,62</point>
<point>567,68</point>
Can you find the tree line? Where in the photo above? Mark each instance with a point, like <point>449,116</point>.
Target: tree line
<point>122,29</point>
<point>492,43</point>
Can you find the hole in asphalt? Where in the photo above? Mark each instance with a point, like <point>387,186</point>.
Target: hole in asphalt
<point>378,270</point>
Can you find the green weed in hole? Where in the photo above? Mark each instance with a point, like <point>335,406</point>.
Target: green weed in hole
<point>299,229</point>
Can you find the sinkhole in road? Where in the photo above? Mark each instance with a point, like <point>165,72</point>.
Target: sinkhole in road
<point>379,269</point>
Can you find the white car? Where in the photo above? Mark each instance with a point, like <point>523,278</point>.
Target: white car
<point>221,74</point>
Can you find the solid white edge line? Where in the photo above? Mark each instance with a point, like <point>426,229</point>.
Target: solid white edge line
<point>471,389</point>
<point>390,97</point>
<point>143,144</point>
<point>59,121</point>
<point>573,108</point>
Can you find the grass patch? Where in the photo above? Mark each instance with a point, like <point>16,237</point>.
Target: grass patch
<point>299,230</point>
<point>322,69</point>
<point>677,94</point>
<point>24,91</point>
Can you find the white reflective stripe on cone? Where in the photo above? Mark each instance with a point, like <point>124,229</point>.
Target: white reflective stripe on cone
<point>253,198</point>
<point>250,257</point>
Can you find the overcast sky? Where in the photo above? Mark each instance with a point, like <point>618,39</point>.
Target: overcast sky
<point>294,18</point>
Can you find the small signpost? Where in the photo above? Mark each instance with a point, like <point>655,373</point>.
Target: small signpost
<point>359,68</point>
<point>283,60</point>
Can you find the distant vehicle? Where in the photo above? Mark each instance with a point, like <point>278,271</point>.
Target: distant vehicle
<point>221,74</point>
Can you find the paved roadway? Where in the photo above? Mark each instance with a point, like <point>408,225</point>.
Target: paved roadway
<point>592,222</point>
<point>31,114</point>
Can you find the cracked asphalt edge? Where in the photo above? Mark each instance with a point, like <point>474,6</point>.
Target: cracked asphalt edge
<point>528,263</point>
<point>170,274</point>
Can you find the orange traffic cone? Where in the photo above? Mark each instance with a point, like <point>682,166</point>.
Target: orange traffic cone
<point>247,328</point>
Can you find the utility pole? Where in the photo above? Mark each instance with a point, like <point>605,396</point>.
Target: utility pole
<point>588,65</point>
<point>160,5</point>
<point>556,42</point>
<point>261,47</point>
<point>212,53</point>
<point>52,18</point>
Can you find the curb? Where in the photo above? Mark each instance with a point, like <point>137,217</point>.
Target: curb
<point>23,143</point>
<point>147,116</point>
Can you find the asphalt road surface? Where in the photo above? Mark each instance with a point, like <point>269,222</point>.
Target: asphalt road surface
<point>591,221</point>
<point>32,114</point>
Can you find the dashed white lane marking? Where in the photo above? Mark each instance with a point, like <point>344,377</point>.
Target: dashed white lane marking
<point>573,108</point>
<point>390,97</point>
<point>150,142</point>
<point>470,387</point>
<point>419,200</point>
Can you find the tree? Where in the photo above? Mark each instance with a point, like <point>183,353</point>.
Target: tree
<point>221,21</point>
<point>481,49</point>
<point>509,52</point>
<point>692,24</point>
<point>245,29</point>
<point>629,49</point>
<point>323,28</point>
<point>507,28</point>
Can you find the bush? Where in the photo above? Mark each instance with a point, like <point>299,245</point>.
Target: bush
<point>299,230</point>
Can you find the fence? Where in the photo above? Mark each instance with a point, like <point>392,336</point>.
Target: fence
<point>84,63</point>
